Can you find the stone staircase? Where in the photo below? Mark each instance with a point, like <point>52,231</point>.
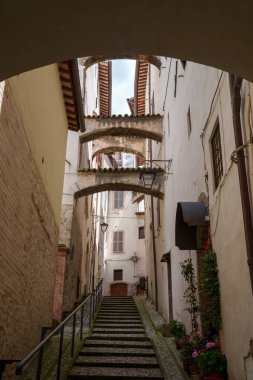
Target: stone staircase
<point>118,347</point>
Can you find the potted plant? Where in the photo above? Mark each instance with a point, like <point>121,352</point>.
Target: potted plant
<point>211,363</point>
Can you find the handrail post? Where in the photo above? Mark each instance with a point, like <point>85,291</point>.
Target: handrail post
<point>81,326</point>
<point>73,335</point>
<point>91,301</point>
<point>39,366</point>
<point>60,354</point>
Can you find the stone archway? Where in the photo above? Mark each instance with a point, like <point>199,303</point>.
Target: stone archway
<point>92,181</point>
<point>149,127</point>
<point>51,32</point>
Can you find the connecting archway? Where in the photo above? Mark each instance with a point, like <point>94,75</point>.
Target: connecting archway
<point>149,127</point>
<point>119,144</point>
<point>215,33</point>
<point>89,61</point>
<point>92,181</point>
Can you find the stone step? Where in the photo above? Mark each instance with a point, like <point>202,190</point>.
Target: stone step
<point>117,331</point>
<point>115,373</point>
<point>117,361</point>
<point>118,321</point>
<point>117,351</point>
<point>117,314</point>
<point>118,325</point>
<point>121,317</point>
<point>116,307</point>
<point>120,344</point>
<point>119,337</point>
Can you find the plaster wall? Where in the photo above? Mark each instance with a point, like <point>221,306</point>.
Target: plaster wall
<point>28,239</point>
<point>197,87</point>
<point>124,220</point>
<point>38,98</point>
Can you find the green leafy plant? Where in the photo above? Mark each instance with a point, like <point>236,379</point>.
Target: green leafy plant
<point>211,361</point>
<point>212,289</point>
<point>176,329</point>
<point>190,294</point>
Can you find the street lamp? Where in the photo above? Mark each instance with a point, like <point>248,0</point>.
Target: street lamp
<point>147,178</point>
<point>103,226</point>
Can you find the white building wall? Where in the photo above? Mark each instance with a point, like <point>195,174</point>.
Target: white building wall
<point>125,220</point>
<point>190,180</point>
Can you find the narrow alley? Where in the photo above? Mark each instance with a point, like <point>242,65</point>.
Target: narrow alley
<point>126,184</point>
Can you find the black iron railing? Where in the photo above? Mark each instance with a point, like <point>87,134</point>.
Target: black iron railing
<point>50,358</point>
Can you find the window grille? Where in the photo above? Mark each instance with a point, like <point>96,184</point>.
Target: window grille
<point>118,199</point>
<point>117,275</point>
<point>118,241</point>
<point>141,233</point>
<point>217,156</point>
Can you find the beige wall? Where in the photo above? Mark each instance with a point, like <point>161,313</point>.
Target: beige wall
<point>39,101</point>
<point>28,240</point>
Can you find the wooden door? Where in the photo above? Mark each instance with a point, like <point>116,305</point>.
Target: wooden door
<point>119,290</point>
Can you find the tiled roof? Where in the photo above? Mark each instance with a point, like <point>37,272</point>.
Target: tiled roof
<point>124,170</point>
<point>70,83</point>
<point>126,116</point>
<point>104,85</point>
<point>141,75</point>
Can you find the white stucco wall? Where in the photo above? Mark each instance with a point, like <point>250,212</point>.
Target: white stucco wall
<point>124,220</point>
<point>197,87</point>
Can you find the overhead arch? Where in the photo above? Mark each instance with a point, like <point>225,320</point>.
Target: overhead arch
<point>92,181</point>
<point>117,186</point>
<point>149,127</point>
<point>119,144</point>
<point>117,149</point>
<point>215,33</point>
<point>89,61</point>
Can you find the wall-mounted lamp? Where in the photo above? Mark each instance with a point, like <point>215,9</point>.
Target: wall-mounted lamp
<point>103,227</point>
<point>147,178</point>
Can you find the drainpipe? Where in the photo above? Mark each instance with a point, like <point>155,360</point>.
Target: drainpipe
<point>154,251</point>
<point>235,88</point>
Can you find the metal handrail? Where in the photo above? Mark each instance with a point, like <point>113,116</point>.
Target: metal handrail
<point>94,300</point>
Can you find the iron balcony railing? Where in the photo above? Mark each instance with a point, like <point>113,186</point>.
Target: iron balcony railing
<point>52,357</point>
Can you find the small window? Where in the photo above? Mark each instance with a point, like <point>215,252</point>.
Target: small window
<point>189,122</point>
<point>118,241</point>
<point>117,275</point>
<point>183,63</point>
<point>141,233</point>
<point>217,155</point>
<point>118,199</point>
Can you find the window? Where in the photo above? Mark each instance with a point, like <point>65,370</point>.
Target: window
<point>118,241</point>
<point>118,199</point>
<point>117,275</point>
<point>217,155</point>
<point>189,122</point>
<point>141,233</point>
<point>183,63</point>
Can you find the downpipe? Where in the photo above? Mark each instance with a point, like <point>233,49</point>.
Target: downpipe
<point>235,91</point>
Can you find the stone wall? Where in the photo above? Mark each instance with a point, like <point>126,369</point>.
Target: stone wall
<point>28,240</point>
<point>73,267</point>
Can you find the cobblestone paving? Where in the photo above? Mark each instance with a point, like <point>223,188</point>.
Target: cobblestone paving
<point>151,320</point>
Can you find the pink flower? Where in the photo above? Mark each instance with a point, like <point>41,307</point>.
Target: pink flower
<point>195,354</point>
<point>210,345</point>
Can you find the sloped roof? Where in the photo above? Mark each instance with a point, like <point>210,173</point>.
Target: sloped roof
<point>70,83</point>
<point>104,86</point>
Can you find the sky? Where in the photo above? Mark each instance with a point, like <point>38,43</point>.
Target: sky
<point>123,72</point>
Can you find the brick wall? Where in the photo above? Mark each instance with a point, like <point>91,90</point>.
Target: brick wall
<point>28,240</point>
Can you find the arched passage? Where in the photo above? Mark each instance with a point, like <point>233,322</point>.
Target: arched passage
<point>216,33</point>
<point>119,144</point>
<point>110,149</point>
<point>117,186</point>
<point>143,57</point>
<point>149,126</point>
